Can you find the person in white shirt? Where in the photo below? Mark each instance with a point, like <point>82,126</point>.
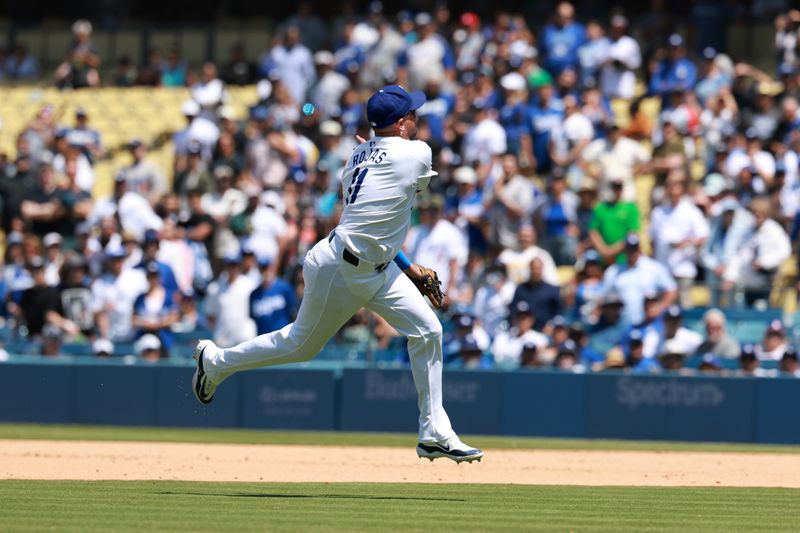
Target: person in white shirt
<point>330,86</point>
<point>509,199</point>
<point>485,142</point>
<point>438,244</point>
<point>754,267</point>
<point>209,91</point>
<point>517,260</point>
<point>113,296</point>
<point>615,157</point>
<point>507,345</point>
<point>223,204</point>
<point>425,59</point>
<point>572,136</point>
<point>774,344</point>
<point>360,265</point>
<point>228,304</point>
<point>618,73</point>
<point>269,228</point>
<point>678,230</point>
<point>291,62</point>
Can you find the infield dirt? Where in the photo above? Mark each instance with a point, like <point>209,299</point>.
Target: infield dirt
<point>91,460</point>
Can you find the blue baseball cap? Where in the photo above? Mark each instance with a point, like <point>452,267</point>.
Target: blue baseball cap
<point>391,104</point>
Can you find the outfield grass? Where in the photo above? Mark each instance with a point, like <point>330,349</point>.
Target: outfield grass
<point>336,438</point>
<point>185,506</point>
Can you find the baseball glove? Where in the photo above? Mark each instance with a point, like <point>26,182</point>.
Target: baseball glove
<point>429,285</point>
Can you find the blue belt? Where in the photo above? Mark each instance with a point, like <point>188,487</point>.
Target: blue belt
<point>348,256</point>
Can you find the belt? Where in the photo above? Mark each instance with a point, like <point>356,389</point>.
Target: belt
<point>349,257</point>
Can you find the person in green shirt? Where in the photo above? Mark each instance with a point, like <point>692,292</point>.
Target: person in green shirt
<point>612,220</point>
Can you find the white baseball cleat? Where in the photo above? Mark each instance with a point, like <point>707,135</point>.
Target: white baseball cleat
<point>203,387</point>
<point>451,448</point>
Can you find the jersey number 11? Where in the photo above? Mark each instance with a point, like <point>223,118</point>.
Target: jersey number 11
<point>355,185</point>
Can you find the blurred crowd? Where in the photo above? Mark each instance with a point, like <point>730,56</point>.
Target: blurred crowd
<point>566,233</point>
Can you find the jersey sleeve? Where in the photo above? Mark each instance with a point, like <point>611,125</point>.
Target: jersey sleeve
<point>423,158</point>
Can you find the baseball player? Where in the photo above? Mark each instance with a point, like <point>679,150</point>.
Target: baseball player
<point>360,264</point>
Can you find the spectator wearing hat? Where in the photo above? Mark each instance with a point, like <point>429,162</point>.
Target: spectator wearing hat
<point>618,72</point>
<point>556,218</point>
<point>154,311</point>
<point>102,348</point>
<point>84,137</point>
<point>763,252</point>
<point>678,230</point>
<point>651,328</point>
<point>471,356</point>
<point>635,357</point>
<point>469,203</point>
<point>788,365</point>
<point>774,344</point>
<point>609,327</point>
<point>507,345</point>
<point>545,115</point>
<point>673,356</point>
<point>710,364</point>
<point>612,221</point>
<point>529,358</point>
<point>142,175</point>
<point>542,298</point>
<point>198,137</point>
<point>76,295</point>
<point>749,363</point>
<point>675,71</point>
<point>729,230</point>
<point>150,259</point>
<point>636,277</point>
<point>273,303</point>
<point>228,303</point>
<point>196,175</point>
<point>149,348</point>
<point>585,291</point>
<point>438,243</point>
<point>717,339</point>
<point>512,115</point>
<point>54,258</point>
<point>485,141</point>
<point>562,38</point>
<point>674,329</point>
<point>567,357</point>
<point>40,304</point>
<point>113,296</point>
<point>291,62</point>
<point>615,157</point>
<point>327,91</point>
<point>557,330</point>
<point>80,69</point>
<point>429,58</point>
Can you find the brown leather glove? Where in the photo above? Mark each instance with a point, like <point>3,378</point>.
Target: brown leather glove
<point>429,285</point>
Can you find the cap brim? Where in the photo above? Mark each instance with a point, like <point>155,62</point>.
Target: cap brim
<point>417,99</point>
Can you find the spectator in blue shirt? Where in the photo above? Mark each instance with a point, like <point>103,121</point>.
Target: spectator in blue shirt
<point>542,298</point>
<point>611,327</point>
<point>154,312</point>
<point>543,116</point>
<point>438,105</point>
<point>675,72</point>
<point>272,304</point>
<point>636,277</point>
<point>85,137</point>
<point>635,359</point>
<point>165,273</point>
<point>513,113</point>
<point>562,39</point>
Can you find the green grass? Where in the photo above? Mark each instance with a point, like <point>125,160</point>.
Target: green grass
<point>184,506</point>
<point>320,438</point>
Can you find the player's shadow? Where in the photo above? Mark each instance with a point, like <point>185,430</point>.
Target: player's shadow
<point>280,496</point>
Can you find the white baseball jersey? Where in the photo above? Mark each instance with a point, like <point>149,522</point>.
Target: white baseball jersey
<point>379,184</point>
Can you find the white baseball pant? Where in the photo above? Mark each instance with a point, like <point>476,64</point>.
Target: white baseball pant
<point>334,291</point>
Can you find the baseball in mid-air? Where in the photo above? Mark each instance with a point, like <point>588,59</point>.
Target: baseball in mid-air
<point>308,109</point>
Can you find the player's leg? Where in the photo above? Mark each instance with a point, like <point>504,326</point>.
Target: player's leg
<point>404,308</point>
<point>328,303</point>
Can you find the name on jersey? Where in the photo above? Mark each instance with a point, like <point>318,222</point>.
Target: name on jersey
<point>375,155</point>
